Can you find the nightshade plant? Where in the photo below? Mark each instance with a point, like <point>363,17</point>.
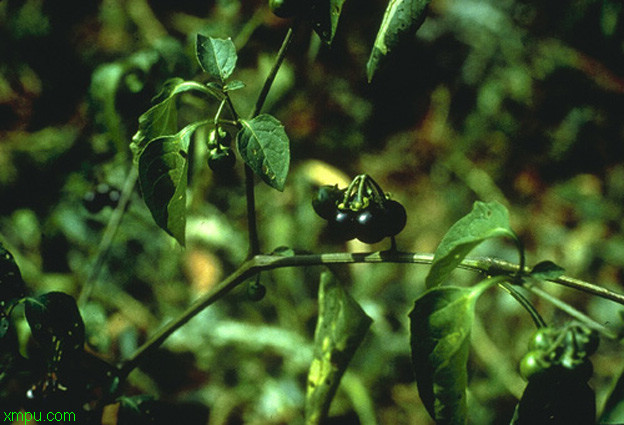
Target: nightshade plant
<point>557,366</point>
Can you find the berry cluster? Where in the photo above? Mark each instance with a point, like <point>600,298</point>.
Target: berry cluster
<point>102,196</point>
<point>556,350</point>
<point>221,158</point>
<point>361,211</point>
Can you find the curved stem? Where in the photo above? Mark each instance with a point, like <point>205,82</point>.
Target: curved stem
<point>488,266</point>
<point>525,303</point>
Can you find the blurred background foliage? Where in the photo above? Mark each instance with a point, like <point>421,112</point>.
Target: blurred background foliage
<point>508,100</point>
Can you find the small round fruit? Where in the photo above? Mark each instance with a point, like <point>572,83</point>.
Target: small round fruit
<point>326,200</point>
<point>221,161</point>
<point>369,225</point>
<point>285,8</point>
<point>342,225</point>
<point>103,196</point>
<point>532,364</point>
<point>395,218</point>
<point>542,339</point>
<point>256,291</point>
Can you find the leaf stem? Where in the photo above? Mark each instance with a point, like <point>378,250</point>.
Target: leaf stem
<point>258,263</point>
<point>254,243</point>
<point>525,303</point>
<point>273,73</point>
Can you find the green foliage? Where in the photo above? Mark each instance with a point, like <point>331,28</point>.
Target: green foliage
<point>162,118</point>
<point>163,170</point>
<point>546,270</point>
<point>440,326</point>
<point>325,15</point>
<point>12,287</point>
<point>486,220</point>
<point>556,397</point>
<point>401,19</point>
<point>264,146</point>
<point>340,329</point>
<point>55,323</point>
<point>613,412</point>
<point>216,56</point>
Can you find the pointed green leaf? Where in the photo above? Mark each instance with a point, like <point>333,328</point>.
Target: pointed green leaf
<point>55,323</point>
<point>264,146</point>
<point>163,168</point>
<point>325,15</point>
<point>486,220</point>
<point>440,326</point>
<point>341,327</point>
<point>401,19</point>
<point>162,118</point>
<point>546,270</point>
<point>216,56</point>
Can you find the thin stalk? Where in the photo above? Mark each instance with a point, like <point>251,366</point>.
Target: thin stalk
<point>108,236</point>
<point>487,266</point>
<point>254,243</point>
<point>525,303</point>
<point>573,312</point>
<point>273,73</point>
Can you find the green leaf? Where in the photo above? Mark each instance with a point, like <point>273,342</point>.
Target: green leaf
<point>440,326</point>
<point>613,412</point>
<point>264,146</point>
<point>341,327</point>
<point>325,15</point>
<point>486,220</point>
<point>546,270</point>
<point>12,287</point>
<point>163,169</point>
<point>162,119</point>
<point>401,19</point>
<point>216,56</point>
<point>234,85</point>
<point>55,323</point>
<point>557,396</point>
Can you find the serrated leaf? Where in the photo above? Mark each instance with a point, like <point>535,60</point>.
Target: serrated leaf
<point>163,169</point>
<point>546,270</point>
<point>12,286</point>
<point>440,326</point>
<point>341,327</point>
<point>216,56</point>
<point>55,322</point>
<point>401,19</point>
<point>325,15</point>
<point>485,221</point>
<point>264,146</point>
<point>162,119</point>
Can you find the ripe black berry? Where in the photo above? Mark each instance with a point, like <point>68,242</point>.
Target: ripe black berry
<point>395,218</point>
<point>326,200</point>
<point>342,225</point>
<point>369,224</point>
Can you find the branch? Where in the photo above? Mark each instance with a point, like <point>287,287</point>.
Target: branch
<point>258,263</point>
